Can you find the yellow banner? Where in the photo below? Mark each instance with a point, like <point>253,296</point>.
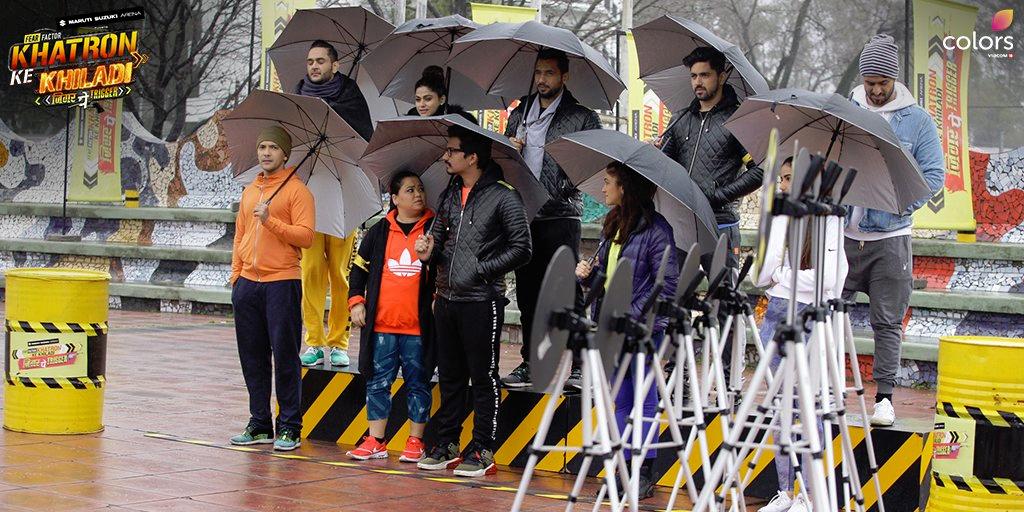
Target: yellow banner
<point>941,77</point>
<point>95,147</point>
<point>42,354</point>
<point>648,116</point>
<point>485,14</point>
<point>275,15</point>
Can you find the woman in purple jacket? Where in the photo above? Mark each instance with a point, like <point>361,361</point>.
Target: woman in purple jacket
<point>633,230</point>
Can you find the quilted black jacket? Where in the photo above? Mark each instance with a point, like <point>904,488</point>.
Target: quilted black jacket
<point>570,117</point>
<point>700,142</point>
<point>475,246</point>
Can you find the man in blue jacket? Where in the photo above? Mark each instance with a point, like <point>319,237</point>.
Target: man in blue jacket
<point>877,242</point>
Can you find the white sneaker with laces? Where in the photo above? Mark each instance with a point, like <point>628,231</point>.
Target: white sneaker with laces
<point>800,505</point>
<point>780,503</point>
<point>884,415</point>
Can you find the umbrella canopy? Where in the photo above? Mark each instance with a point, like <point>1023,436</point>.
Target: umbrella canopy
<point>399,60</point>
<point>322,142</point>
<point>888,176</point>
<point>417,144</point>
<point>661,46</point>
<point>500,58</point>
<point>583,155</point>
<point>353,31</point>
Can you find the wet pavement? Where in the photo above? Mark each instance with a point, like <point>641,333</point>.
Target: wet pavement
<point>178,375</point>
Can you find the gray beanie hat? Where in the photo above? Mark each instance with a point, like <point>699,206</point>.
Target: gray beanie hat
<point>880,57</point>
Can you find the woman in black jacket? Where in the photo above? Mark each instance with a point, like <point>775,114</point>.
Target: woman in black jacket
<point>432,96</point>
<point>390,297</point>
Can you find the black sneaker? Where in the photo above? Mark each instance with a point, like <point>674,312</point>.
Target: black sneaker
<point>440,457</point>
<point>519,378</point>
<point>575,380</point>
<point>646,488</point>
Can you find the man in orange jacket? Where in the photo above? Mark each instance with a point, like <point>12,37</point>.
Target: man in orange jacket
<point>274,223</point>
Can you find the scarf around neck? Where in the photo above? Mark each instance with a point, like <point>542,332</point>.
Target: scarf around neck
<point>328,89</point>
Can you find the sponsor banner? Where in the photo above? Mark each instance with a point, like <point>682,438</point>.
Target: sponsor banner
<point>275,14</point>
<point>95,147</point>
<point>44,354</point>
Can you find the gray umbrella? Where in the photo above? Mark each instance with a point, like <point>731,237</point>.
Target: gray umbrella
<point>417,144</point>
<point>583,155</point>
<point>500,57</point>
<point>661,46</point>
<point>888,176</point>
<point>353,31</point>
<point>398,62</point>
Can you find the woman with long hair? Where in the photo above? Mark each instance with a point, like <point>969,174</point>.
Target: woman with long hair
<point>390,301</point>
<point>634,231</point>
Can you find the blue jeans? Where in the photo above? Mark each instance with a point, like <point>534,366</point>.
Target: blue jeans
<point>774,314</point>
<point>388,351</point>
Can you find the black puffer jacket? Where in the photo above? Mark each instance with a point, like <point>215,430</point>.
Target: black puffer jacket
<point>475,246</point>
<point>700,142</point>
<point>350,105</point>
<point>446,109</point>
<point>570,117</point>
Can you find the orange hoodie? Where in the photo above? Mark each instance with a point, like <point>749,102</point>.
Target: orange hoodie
<point>270,251</point>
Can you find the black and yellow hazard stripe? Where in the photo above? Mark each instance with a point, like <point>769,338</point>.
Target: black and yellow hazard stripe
<point>57,382</point>
<point>334,410</point>
<point>89,329</point>
<point>990,417</point>
<point>979,485</point>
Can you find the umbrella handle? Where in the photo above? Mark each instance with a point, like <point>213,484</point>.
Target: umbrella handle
<point>285,182</point>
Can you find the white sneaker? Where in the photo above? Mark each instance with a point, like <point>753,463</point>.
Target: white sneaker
<point>780,503</point>
<point>884,415</point>
<point>800,505</point>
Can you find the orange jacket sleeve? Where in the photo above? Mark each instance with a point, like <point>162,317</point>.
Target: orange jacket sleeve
<point>236,257</point>
<point>303,213</point>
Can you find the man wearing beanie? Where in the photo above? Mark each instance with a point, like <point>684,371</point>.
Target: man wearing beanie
<point>326,263</point>
<point>877,242</point>
<point>275,221</point>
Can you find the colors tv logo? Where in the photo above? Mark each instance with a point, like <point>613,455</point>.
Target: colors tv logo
<point>1000,46</point>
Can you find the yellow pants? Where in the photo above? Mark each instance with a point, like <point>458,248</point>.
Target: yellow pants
<point>327,262</point>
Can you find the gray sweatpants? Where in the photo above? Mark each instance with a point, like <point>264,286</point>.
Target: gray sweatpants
<point>884,271</point>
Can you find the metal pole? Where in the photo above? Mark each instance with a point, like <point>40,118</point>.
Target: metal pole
<point>623,53</point>
<point>421,8</point>
<point>538,4</point>
<point>906,44</point>
<point>252,46</point>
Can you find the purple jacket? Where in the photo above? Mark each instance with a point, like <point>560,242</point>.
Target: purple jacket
<point>644,248</point>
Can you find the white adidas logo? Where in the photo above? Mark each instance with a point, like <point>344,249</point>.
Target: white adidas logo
<point>405,266</point>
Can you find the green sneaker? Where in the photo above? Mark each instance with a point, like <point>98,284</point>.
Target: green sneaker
<point>477,463</point>
<point>440,457</point>
<point>287,440</point>
<point>252,436</point>
<point>312,356</point>
<point>339,357</point>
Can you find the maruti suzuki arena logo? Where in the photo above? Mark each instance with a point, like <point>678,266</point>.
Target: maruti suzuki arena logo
<point>998,46</point>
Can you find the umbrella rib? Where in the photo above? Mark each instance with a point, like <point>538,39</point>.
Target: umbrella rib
<point>505,65</point>
<point>408,60</point>
<point>600,83</point>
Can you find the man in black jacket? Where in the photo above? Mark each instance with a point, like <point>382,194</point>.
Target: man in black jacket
<point>553,112</point>
<point>326,264</point>
<point>699,141</point>
<point>480,234</point>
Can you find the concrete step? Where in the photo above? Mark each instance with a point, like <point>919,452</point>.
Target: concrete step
<point>91,211</point>
<point>117,250</point>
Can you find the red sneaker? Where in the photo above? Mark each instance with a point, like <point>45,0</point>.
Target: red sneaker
<point>369,449</point>
<point>413,450</point>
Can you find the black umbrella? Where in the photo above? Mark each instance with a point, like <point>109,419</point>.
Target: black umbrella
<point>888,176</point>
<point>583,155</point>
<point>399,60</point>
<point>661,46</point>
<point>417,144</point>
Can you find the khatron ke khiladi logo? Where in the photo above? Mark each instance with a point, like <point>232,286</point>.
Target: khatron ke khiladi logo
<point>76,69</point>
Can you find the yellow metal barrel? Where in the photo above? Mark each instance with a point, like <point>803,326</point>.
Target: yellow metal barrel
<point>56,349</point>
<point>978,453</point>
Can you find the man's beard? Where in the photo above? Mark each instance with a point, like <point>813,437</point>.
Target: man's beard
<point>885,100</point>
<point>705,93</point>
<point>551,94</point>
